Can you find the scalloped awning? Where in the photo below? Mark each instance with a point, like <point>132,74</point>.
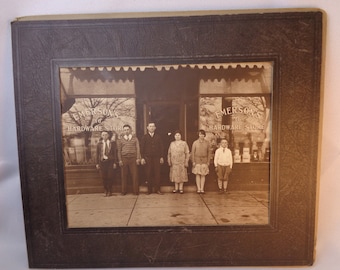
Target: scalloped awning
<point>208,66</point>
<point>208,71</point>
<point>120,80</point>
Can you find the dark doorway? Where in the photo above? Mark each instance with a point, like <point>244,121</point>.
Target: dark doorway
<point>167,117</point>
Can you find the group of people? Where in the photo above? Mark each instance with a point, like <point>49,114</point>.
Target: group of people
<point>128,152</point>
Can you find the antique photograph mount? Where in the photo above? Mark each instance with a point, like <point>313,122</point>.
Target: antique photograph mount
<point>252,80</point>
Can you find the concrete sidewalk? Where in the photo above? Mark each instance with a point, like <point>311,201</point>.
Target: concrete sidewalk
<point>211,208</point>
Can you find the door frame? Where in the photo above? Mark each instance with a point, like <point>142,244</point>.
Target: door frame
<point>182,115</point>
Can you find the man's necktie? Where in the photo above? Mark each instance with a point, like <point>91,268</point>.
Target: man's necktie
<point>106,148</point>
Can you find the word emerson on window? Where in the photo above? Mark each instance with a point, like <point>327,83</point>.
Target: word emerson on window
<point>239,110</point>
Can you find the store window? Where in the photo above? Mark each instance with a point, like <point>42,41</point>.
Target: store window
<point>238,107</point>
<point>83,123</point>
<point>93,100</point>
<point>243,121</point>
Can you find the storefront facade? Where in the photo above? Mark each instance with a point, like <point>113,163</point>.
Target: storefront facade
<point>230,101</point>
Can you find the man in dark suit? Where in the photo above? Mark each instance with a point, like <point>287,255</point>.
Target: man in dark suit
<point>106,158</point>
<point>151,148</point>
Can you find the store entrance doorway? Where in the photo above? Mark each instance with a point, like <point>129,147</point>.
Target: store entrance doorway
<point>168,118</point>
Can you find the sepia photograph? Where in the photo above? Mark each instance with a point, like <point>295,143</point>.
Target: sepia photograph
<point>168,139</point>
<point>167,145</point>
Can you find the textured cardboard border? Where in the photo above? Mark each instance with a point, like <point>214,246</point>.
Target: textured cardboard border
<point>292,40</point>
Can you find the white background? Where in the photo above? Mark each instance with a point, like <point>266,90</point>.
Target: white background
<point>12,237</point>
